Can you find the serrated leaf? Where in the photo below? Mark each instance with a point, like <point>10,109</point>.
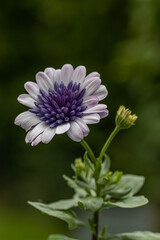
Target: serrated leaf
<point>64,204</point>
<point>60,237</point>
<point>91,204</point>
<point>80,192</point>
<point>65,215</point>
<point>131,202</point>
<point>139,236</point>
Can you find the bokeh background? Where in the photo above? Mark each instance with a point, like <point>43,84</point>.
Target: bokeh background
<point>119,39</point>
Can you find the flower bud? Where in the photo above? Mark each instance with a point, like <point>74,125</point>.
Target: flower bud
<point>79,165</point>
<point>116,177</point>
<point>124,119</point>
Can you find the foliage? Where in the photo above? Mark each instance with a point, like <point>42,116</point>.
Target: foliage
<point>117,190</point>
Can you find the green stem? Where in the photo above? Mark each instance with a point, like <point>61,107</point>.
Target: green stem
<point>94,160</point>
<point>96,223</point>
<point>107,143</point>
<point>97,162</point>
<point>89,150</point>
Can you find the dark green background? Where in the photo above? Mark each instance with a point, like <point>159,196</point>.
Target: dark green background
<point>120,40</point>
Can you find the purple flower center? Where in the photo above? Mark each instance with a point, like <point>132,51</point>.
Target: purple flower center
<point>61,105</point>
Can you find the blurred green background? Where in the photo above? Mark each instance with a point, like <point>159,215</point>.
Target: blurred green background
<point>120,40</point>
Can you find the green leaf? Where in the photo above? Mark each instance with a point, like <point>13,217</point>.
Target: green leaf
<point>133,182</point>
<point>102,235</point>
<point>105,165</point>
<point>91,204</point>
<point>84,185</point>
<point>65,215</point>
<point>71,183</point>
<point>131,202</point>
<point>139,236</point>
<point>64,204</point>
<point>129,183</point>
<point>60,237</point>
<point>119,193</point>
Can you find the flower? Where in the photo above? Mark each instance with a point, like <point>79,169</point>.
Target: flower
<point>63,100</point>
<point>124,119</point>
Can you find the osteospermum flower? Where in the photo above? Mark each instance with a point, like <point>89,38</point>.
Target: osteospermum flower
<point>63,100</point>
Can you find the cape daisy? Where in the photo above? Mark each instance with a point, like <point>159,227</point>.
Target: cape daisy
<point>63,100</point>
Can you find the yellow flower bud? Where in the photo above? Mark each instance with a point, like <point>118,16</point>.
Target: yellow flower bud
<point>124,119</point>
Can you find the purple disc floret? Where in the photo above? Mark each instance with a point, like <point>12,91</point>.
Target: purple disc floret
<point>60,105</point>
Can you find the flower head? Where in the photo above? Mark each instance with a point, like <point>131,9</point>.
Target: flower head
<point>63,100</point>
<point>124,119</point>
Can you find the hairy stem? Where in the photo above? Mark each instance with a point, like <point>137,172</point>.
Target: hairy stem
<point>107,143</point>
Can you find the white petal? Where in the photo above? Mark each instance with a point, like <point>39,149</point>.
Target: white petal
<point>29,123</point>
<point>33,89</point>
<point>37,140</point>
<point>27,120</point>
<point>38,129</point>
<point>66,73</point>
<point>90,101</point>
<point>75,132</point>
<point>48,134</point>
<point>26,100</point>
<point>83,126</point>
<point>62,128</point>
<point>96,109</point>
<point>91,118</point>
<point>93,74</point>
<point>101,92</point>
<point>57,75</point>
<point>43,81</point>
<point>91,85</point>
<point>22,116</point>
<point>79,74</point>
<point>104,114</point>
<point>50,73</point>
